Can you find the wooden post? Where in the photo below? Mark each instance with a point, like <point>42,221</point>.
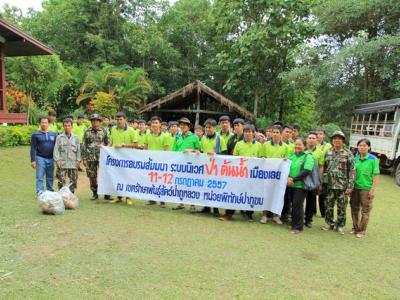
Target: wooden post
<point>3,102</point>
<point>198,106</point>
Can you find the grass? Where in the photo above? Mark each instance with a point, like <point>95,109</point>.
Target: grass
<point>113,251</point>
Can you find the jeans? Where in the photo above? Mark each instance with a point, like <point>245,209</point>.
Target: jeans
<point>44,166</point>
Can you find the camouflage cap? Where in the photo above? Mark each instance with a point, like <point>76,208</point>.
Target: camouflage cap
<point>338,133</point>
<point>95,117</point>
<point>184,121</point>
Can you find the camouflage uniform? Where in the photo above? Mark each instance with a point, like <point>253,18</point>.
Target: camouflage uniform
<point>339,175</point>
<point>67,153</point>
<point>93,139</point>
<point>71,174</point>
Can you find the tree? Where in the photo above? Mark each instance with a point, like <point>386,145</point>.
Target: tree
<point>115,88</point>
<point>258,37</point>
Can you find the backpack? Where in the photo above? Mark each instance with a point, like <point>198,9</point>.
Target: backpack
<point>313,180</point>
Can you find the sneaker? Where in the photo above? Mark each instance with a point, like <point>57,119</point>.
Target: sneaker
<point>225,218</point>
<point>180,206</point>
<point>162,205</point>
<point>94,197</point>
<point>308,225</point>
<point>264,220</point>
<point>327,227</point>
<point>277,220</point>
<point>295,231</point>
<point>118,200</point>
<point>353,231</point>
<point>204,210</point>
<point>129,201</point>
<point>340,230</point>
<point>360,235</point>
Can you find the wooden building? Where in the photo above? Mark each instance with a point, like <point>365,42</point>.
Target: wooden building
<point>15,42</point>
<point>197,102</point>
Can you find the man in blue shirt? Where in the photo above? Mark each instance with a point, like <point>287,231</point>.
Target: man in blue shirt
<point>42,146</point>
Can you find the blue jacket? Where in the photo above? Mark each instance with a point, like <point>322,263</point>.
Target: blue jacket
<point>42,144</point>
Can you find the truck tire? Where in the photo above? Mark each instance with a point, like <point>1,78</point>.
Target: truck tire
<point>397,174</point>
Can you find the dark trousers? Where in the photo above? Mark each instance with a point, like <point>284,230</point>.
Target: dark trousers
<point>311,205</point>
<point>297,199</point>
<point>231,212</point>
<point>286,210</point>
<point>322,203</point>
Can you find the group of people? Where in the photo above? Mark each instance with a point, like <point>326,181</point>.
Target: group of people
<point>343,175</point>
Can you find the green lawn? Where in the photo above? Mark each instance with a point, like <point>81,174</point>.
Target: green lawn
<point>113,251</point>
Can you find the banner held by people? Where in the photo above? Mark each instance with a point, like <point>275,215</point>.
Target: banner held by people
<point>228,182</point>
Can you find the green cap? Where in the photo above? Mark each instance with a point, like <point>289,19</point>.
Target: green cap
<point>338,133</point>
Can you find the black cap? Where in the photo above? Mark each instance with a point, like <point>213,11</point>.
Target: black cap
<point>279,123</point>
<point>249,127</point>
<point>287,126</point>
<point>80,117</point>
<point>198,127</point>
<point>171,123</point>
<point>120,114</point>
<point>155,118</point>
<point>68,119</point>
<point>238,121</point>
<point>296,126</point>
<point>224,118</point>
<point>211,122</point>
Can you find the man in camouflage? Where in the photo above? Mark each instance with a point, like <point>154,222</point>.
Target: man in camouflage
<point>95,137</point>
<point>339,175</point>
<point>67,155</point>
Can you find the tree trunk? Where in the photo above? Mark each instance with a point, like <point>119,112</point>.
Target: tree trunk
<point>256,96</point>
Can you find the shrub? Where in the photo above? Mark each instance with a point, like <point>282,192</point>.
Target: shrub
<point>16,135</point>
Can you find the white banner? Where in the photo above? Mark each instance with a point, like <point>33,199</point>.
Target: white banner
<point>229,182</point>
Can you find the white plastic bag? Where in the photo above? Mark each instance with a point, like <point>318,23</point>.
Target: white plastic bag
<point>51,203</point>
<point>69,199</point>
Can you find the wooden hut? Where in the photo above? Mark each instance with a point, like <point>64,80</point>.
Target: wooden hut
<point>197,102</point>
<point>15,42</point>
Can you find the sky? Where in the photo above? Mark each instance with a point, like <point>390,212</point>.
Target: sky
<point>23,4</point>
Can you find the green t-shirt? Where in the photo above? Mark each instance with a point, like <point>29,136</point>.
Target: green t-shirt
<point>156,141</point>
<point>253,149</point>
<point>296,166</point>
<point>123,136</point>
<point>169,140</point>
<point>79,131</point>
<point>141,138</point>
<point>278,150</point>
<point>366,168</point>
<point>226,136</point>
<point>290,146</point>
<point>190,141</point>
<point>324,146</point>
<point>53,127</point>
<point>208,144</point>
<point>318,155</point>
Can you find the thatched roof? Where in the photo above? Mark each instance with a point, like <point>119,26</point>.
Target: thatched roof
<point>195,88</point>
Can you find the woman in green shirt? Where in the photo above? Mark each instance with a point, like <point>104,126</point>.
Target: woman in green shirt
<point>301,165</point>
<point>367,170</point>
